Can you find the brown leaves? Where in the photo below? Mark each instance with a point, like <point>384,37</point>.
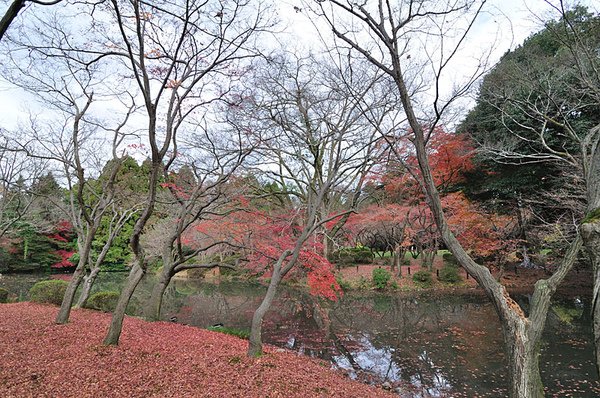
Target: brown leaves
<point>157,359</point>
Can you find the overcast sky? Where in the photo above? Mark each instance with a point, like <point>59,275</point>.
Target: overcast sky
<point>507,24</point>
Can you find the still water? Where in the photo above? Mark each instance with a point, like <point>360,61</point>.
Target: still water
<point>420,345</point>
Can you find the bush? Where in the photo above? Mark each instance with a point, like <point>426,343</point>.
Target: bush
<point>381,277</point>
<point>422,279</point>
<point>449,274</point>
<point>344,284</point>
<point>450,260</point>
<point>3,295</point>
<point>353,255</point>
<point>103,301</point>
<point>51,291</point>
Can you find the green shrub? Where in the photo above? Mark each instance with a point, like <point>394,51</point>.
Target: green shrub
<point>51,291</point>
<point>381,277</point>
<point>422,279</point>
<point>344,284</point>
<point>353,255</point>
<point>362,283</point>
<point>449,274</point>
<point>450,260</point>
<point>103,301</point>
<point>3,295</point>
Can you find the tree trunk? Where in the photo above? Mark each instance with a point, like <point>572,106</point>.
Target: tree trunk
<point>427,259</point>
<point>65,307</point>
<point>523,348</point>
<point>590,232</point>
<point>153,308</point>
<point>10,14</point>
<point>327,247</point>
<point>397,258</point>
<point>88,282</point>
<point>116,324</point>
<point>84,246</point>
<point>255,346</point>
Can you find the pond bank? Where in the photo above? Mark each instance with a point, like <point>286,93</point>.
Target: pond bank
<point>157,359</point>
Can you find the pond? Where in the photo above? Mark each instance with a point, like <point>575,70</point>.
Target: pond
<point>420,345</point>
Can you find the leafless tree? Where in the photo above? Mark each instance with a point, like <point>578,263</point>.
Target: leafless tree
<point>551,108</point>
<point>181,56</point>
<point>316,145</point>
<point>68,137</point>
<point>198,192</point>
<point>390,34</point>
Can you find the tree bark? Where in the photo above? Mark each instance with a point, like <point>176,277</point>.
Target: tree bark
<point>523,346</point>
<point>255,345</point>
<point>9,16</point>
<point>153,308</point>
<point>65,308</point>
<point>84,250</point>
<point>590,232</point>
<point>86,287</point>
<point>116,324</point>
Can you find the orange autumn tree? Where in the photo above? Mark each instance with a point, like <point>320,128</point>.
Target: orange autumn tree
<point>404,208</point>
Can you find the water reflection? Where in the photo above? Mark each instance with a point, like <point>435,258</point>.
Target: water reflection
<point>418,345</point>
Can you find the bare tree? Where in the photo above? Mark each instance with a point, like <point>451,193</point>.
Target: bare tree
<point>392,33</point>
<point>316,146</point>
<point>550,114</point>
<point>198,192</point>
<point>181,56</point>
<point>69,139</point>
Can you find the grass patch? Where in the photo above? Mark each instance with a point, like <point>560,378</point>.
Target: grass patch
<point>241,333</point>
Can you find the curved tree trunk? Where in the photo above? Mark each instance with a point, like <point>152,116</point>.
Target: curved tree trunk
<point>153,308</point>
<point>86,287</point>
<point>65,308</point>
<point>521,334</point>
<point>116,324</point>
<point>255,346</point>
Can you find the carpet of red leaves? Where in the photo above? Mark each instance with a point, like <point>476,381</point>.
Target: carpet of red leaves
<point>154,359</point>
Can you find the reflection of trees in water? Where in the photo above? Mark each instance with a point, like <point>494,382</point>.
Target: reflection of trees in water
<point>430,345</point>
<point>410,334</point>
<point>203,304</point>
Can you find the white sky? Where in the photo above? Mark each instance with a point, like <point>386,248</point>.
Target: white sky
<point>512,19</point>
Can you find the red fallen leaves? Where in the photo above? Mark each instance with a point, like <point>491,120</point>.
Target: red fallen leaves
<point>158,359</point>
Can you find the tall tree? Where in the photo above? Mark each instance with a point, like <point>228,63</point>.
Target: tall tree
<point>316,144</point>
<point>69,140</point>
<point>181,56</point>
<point>392,41</point>
<point>545,98</point>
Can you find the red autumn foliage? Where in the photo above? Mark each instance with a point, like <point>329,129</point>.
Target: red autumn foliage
<point>262,237</point>
<point>64,262</point>
<point>158,359</point>
<point>483,234</point>
<point>61,236</point>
